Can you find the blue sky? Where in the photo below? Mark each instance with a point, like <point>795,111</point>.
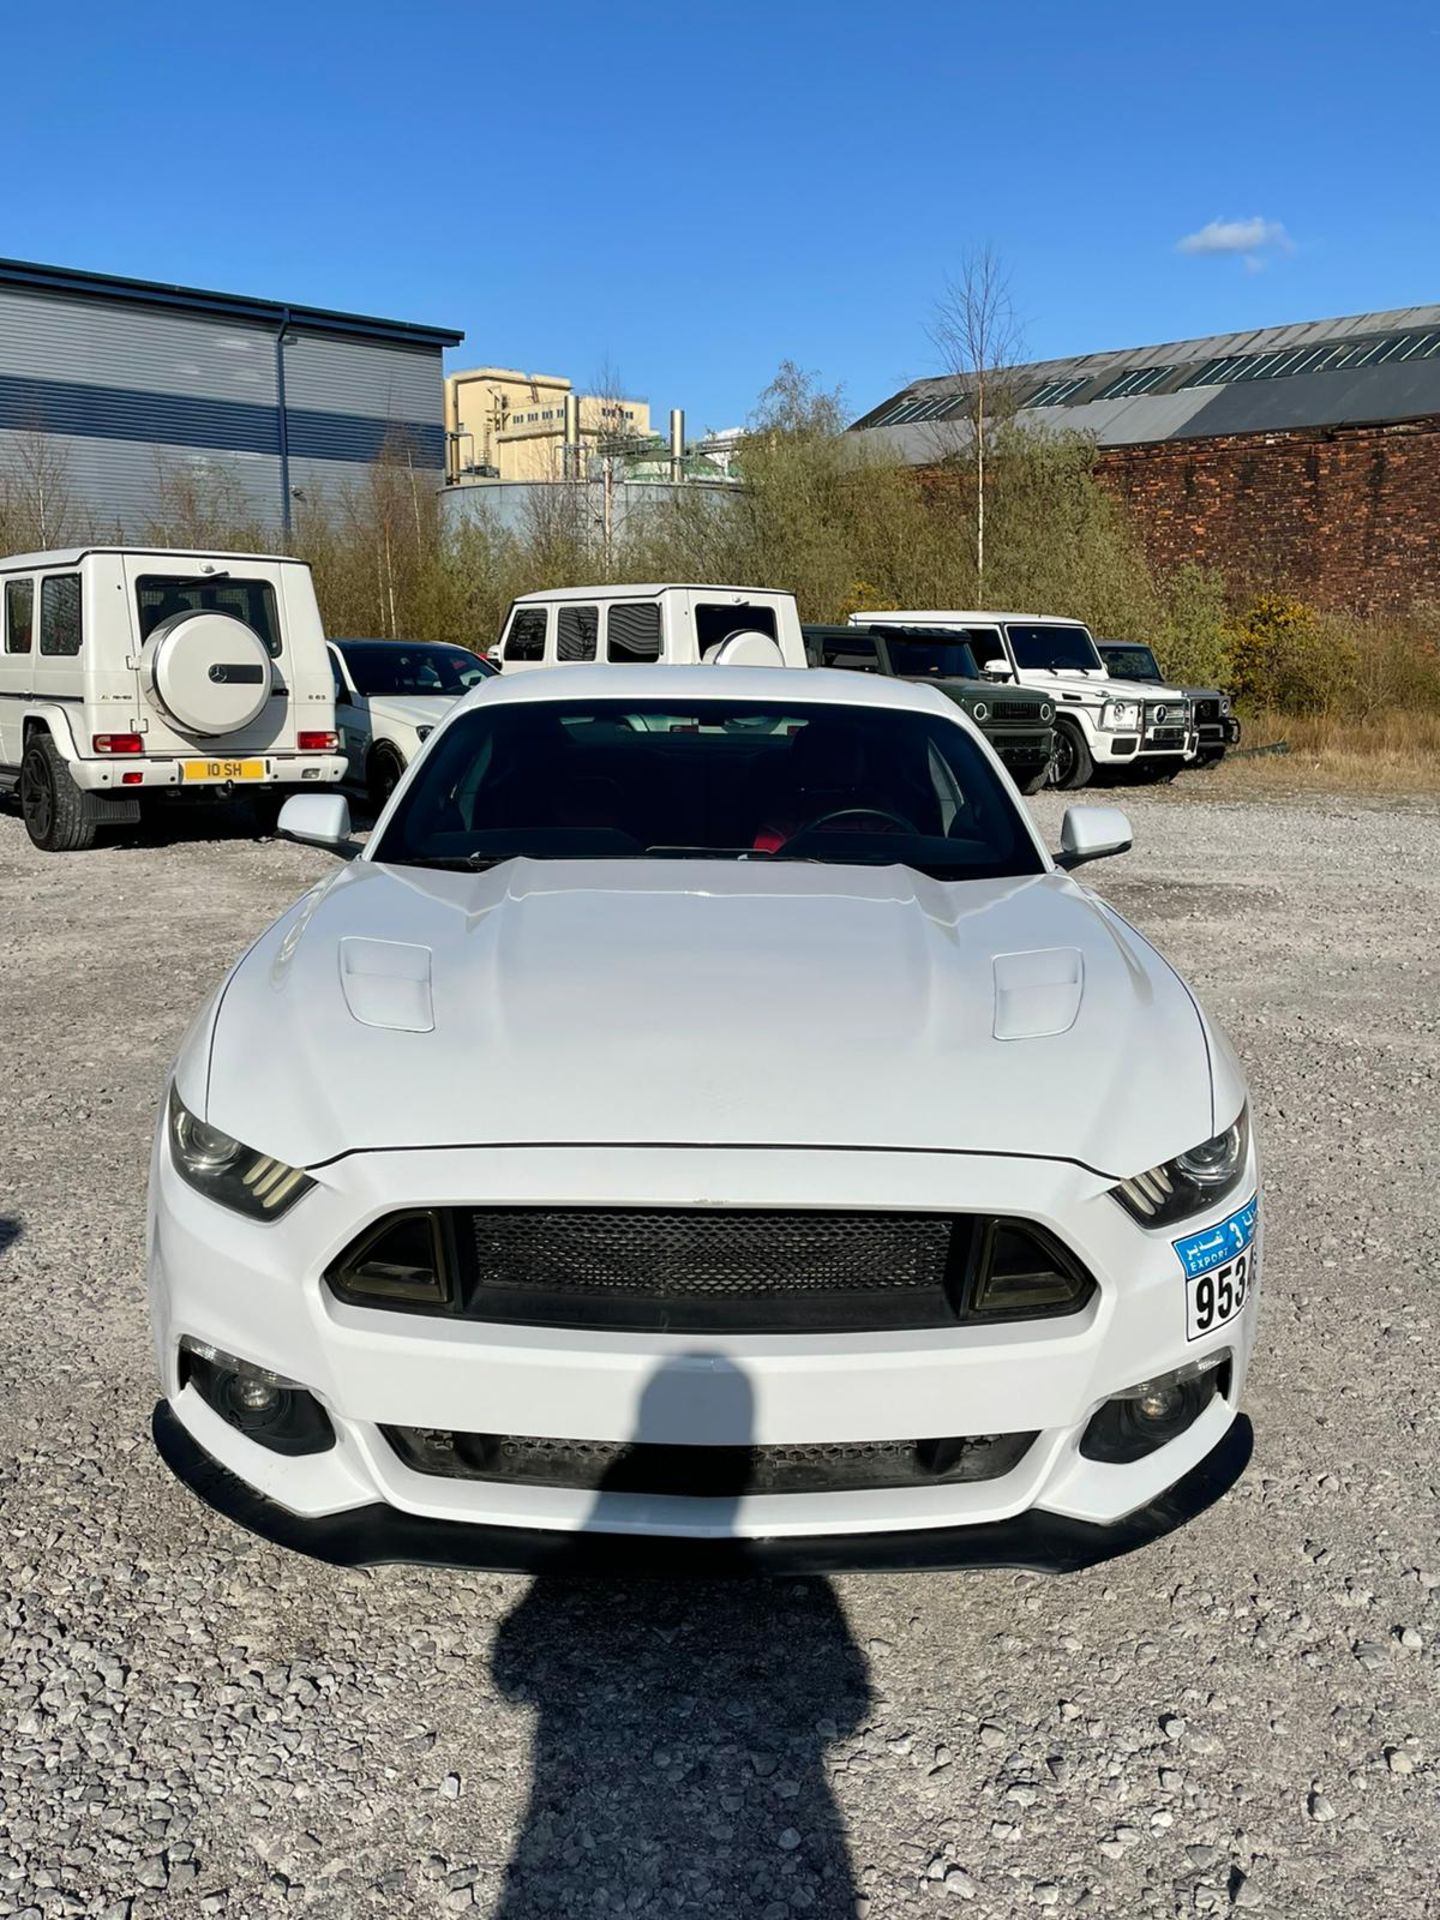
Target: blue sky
<point>698,190</point>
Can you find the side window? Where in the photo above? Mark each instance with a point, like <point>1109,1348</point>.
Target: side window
<point>19,615</point>
<point>342,692</point>
<point>714,624</point>
<point>632,633</point>
<point>575,633</point>
<point>60,614</point>
<point>526,638</point>
<point>987,646</point>
<point>859,655</point>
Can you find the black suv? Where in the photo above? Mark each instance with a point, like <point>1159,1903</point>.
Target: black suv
<point>1017,722</point>
<point>1215,721</point>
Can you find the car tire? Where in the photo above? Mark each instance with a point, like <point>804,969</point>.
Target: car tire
<point>383,773</point>
<point>52,806</point>
<point>1070,766</point>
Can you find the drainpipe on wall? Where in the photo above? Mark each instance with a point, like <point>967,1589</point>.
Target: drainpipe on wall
<point>283,422</point>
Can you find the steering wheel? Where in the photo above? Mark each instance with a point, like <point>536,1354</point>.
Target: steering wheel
<point>897,821</point>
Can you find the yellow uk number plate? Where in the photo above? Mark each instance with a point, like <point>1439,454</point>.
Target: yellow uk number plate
<point>223,769</point>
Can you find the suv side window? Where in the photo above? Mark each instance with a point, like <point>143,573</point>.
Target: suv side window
<point>632,633</point>
<point>19,615</point>
<point>860,655</point>
<point>526,638</point>
<point>60,631</point>
<point>575,633</point>
<point>987,646</point>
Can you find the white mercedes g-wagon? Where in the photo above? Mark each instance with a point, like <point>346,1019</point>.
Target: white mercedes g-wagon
<point>128,674</point>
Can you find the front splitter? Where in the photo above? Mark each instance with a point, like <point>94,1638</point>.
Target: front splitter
<point>380,1535</point>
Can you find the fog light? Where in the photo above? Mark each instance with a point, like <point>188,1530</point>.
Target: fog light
<point>1145,1417</point>
<point>266,1407</point>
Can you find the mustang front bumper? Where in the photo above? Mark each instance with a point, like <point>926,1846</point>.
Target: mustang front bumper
<point>255,1290</point>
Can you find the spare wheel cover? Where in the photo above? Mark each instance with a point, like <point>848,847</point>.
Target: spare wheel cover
<point>207,672</point>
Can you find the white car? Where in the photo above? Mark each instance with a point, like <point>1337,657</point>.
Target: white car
<point>705,1116</point>
<point>390,695</point>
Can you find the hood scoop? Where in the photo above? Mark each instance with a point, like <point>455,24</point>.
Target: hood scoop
<point>1037,993</point>
<point>387,984</point>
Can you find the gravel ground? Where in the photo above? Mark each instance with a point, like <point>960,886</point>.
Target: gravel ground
<point>1245,1715</point>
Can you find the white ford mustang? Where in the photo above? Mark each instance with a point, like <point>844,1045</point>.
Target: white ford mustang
<point>705,1123</point>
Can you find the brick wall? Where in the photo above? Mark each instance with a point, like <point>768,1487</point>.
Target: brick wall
<point>1344,517</point>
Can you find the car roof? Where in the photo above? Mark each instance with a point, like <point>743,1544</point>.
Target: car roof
<point>926,616</point>
<point>643,590</point>
<point>768,686</point>
<point>369,640</point>
<point>72,556</point>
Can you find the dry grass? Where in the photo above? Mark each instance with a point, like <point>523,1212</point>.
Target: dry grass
<point>1393,752</point>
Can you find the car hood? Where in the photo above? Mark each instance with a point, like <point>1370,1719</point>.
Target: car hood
<point>628,1002</point>
<point>412,709</point>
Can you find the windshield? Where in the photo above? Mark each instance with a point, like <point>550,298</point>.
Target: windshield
<point>1131,663</point>
<point>389,666</point>
<point>1053,649</point>
<point>943,659</point>
<point>709,779</point>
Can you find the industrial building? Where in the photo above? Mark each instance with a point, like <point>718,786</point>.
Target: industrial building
<point>107,385</point>
<point>508,425</point>
<point>1303,457</point>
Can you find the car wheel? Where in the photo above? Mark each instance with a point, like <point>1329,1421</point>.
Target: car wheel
<point>382,775</point>
<point>52,805</point>
<point>1070,765</point>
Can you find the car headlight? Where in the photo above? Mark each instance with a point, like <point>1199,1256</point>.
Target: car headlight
<point>1192,1181</point>
<point>1047,712</point>
<point>1116,714</point>
<point>980,711</point>
<point>224,1170</point>
<point>1225,703</point>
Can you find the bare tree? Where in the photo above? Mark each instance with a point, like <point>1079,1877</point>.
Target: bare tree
<point>977,335</point>
<point>36,496</point>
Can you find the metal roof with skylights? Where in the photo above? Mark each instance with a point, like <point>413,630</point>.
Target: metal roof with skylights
<point>1369,369</point>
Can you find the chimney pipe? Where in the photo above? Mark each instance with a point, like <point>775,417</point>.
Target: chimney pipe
<point>677,445</point>
<point>573,465</point>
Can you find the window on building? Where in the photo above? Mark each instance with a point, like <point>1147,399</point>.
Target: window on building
<point>632,633</point>
<point>1137,380</point>
<point>1055,393</point>
<point>60,630</point>
<point>19,615</point>
<point>252,602</point>
<point>526,638</point>
<point>575,632</point>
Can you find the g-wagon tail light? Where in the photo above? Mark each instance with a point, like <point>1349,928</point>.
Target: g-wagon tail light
<point>118,743</point>
<point>319,742</point>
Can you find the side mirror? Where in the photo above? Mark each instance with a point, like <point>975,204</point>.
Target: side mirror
<point>315,820</point>
<point>996,672</point>
<point>1086,833</point>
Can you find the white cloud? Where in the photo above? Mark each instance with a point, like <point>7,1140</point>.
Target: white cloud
<point>1249,238</point>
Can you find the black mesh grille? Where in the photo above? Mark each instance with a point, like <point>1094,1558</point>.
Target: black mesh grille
<point>622,1466</point>
<point>1015,710</point>
<point>705,1267</point>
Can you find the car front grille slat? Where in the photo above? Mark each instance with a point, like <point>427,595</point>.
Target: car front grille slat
<point>704,1472</point>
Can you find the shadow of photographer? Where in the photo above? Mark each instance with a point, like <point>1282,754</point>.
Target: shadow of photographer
<point>681,1728</point>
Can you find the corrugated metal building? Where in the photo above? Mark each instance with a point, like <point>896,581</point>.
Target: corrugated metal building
<point>1370,368</point>
<point>114,383</point>
<point>1305,458</point>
